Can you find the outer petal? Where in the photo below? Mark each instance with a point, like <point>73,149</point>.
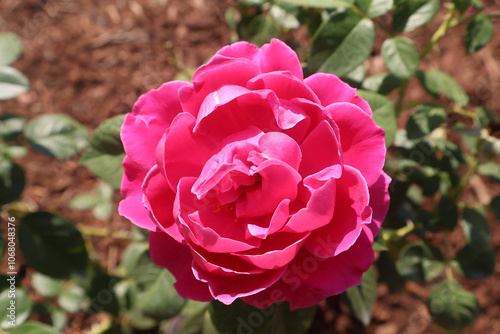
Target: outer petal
<point>379,202</point>
<point>150,117</point>
<point>330,89</point>
<point>168,253</point>
<point>131,207</point>
<point>159,200</point>
<point>363,145</point>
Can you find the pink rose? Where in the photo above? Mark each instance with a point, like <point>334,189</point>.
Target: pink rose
<point>256,183</point>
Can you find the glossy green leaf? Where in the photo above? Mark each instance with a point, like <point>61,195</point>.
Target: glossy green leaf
<point>491,170</point>
<point>475,261</point>
<point>409,15</point>
<point>382,83</point>
<point>52,245</point>
<point>12,151</point>
<point>73,299</point>
<point>102,294</point>
<point>56,135</point>
<point>12,83</point>
<point>447,213</point>
<point>11,48</point>
<point>46,285</point>
<point>452,307</point>
<point>240,317</point>
<point>106,152</point>
<point>342,43</point>
<point>12,181</point>
<point>461,5</point>
<point>420,262</point>
<point>479,33</point>
<point>475,228</point>
<point>495,206</point>
<point>361,299</point>
<point>356,76</point>
<point>11,126</point>
<point>331,4</point>
<point>34,327</point>
<point>436,82</point>
<point>400,56</point>
<point>424,119</point>
<point>374,8</point>
<point>15,307</point>
<point>383,113</point>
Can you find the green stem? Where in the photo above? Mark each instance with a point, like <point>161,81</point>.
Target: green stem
<point>473,164</point>
<point>401,97</point>
<point>440,32</point>
<point>103,232</point>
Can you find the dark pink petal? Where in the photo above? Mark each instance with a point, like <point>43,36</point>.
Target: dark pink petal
<point>219,71</point>
<point>228,290</point>
<point>277,56</point>
<point>321,149</point>
<point>276,251</point>
<point>284,84</point>
<point>159,200</point>
<point>363,145</point>
<point>208,225</point>
<point>343,230</point>
<point>379,202</point>
<point>317,213</point>
<point>177,258</point>
<point>150,117</point>
<point>279,146</point>
<point>279,182</point>
<point>223,264</point>
<point>241,50</point>
<point>330,89</point>
<point>261,227</point>
<point>182,153</point>
<point>131,207</point>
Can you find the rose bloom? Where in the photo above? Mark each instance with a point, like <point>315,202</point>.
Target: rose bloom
<point>255,182</point>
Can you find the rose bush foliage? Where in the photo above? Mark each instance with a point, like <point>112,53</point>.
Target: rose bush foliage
<point>255,182</point>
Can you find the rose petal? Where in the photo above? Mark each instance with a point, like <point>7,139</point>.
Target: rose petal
<point>343,230</point>
<point>363,145</point>
<point>177,258</point>
<point>131,207</point>
<point>379,202</point>
<point>159,200</point>
<point>150,117</point>
<point>281,147</point>
<point>330,89</point>
<point>261,227</point>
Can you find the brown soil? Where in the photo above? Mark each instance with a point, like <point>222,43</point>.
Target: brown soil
<point>92,59</point>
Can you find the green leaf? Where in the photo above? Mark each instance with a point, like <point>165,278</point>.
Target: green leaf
<point>56,135</point>
<point>12,151</point>
<point>420,262</point>
<point>12,181</point>
<point>479,33</point>
<point>46,285</point>
<point>374,8</point>
<point>409,15</point>
<point>491,170</point>
<point>495,206</point>
<point>84,202</point>
<point>106,152</point>
<point>356,76</point>
<point>102,294</point>
<point>52,245</point>
<point>447,213</point>
<point>424,119</point>
<point>452,307</point>
<point>330,4</point>
<point>382,83</point>
<point>485,117</point>
<point>436,82</point>
<point>361,299</point>
<point>11,126</point>
<point>475,227</point>
<point>261,29</point>
<point>12,83</point>
<point>73,299</point>
<point>160,299</point>
<point>475,261</point>
<point>15,307</point>
<point>342,43</point>
<point>240,317</point>
<point>461,5</point>
<point>400,56</point>
<point>383,113</point>
<point>34,327</point>
<point>285,18</point>
<point>11,48</point>
<point>57,316</point>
